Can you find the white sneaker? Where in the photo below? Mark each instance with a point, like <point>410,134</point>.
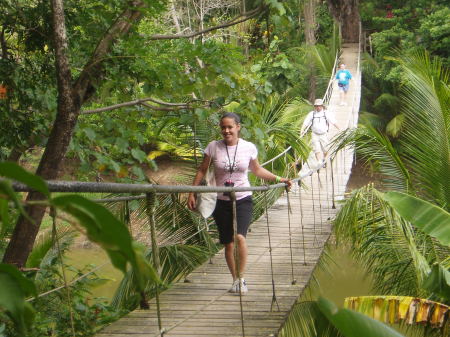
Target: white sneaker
<point>243,288</point>
<point>234,287</point>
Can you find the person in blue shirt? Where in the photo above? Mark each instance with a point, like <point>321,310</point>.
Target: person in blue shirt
<point>343,77</point>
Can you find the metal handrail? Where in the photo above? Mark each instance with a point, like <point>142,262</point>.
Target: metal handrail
<point>91,187</point>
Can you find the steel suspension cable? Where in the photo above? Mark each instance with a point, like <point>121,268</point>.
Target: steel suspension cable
<point>320,201</point>
<point>327,191</point>
<point>274,297</point>
<point>313,209</point>
<point>301,221</point>
<point>332,184</point>
<point>289,211</point>
<point>236,251</point>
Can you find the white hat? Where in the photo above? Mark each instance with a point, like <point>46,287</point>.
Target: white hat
<point>318,102</point>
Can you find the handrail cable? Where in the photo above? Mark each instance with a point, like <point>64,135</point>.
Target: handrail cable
<point>289,211</point>
<point>274,296</point>
<point>237,261</point>
<point>301,224</point>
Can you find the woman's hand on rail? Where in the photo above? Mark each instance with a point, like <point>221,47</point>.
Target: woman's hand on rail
<point>287,182</point>
<point>191,202</point>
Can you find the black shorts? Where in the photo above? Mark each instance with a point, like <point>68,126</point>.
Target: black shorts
<point>223,216</point>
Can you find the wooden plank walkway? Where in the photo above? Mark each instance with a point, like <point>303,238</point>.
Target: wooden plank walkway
<point>203,307</point>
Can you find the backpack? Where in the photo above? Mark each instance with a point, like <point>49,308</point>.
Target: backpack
<point>319,124</point>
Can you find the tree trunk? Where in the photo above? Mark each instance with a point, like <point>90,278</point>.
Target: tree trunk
<point>3,44</point>
<point>70,99</point>
<point>309,12</point>
<point>346,12</point>
<point>25,231</point>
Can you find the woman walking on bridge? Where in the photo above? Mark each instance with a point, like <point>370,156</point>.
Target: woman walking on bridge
<point>343,76</point>
<point>231,159</point>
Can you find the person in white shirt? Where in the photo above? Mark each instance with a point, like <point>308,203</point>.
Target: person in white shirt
<point>232,158</point>
<point>319,121</point>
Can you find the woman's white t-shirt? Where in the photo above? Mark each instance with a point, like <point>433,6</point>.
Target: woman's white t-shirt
<point>239,165</point>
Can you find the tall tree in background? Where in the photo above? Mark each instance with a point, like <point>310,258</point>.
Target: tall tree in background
<point>346,12</point>
<point>309,12</point>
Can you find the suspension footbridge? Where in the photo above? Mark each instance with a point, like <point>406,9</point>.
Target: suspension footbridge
<point>284,246</point>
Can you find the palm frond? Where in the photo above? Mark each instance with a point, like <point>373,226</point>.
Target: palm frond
<point>395,125</point>
<point>396,255</point>
<point>426,136</point>
<point>281,118</point>
<point>371,119</point>
<point>372,146</point>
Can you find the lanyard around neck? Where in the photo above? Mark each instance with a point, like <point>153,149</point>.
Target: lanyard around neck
<point>234,158</point>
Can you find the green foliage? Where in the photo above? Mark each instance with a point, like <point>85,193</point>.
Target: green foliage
<point>430,218</point>
<point>15,287</point>
<point>44,251</point>
<point>274,72</point>
<point>434,33</point>
<point>438,281</point>
<point>411,24</point>
<point>394,127</point>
